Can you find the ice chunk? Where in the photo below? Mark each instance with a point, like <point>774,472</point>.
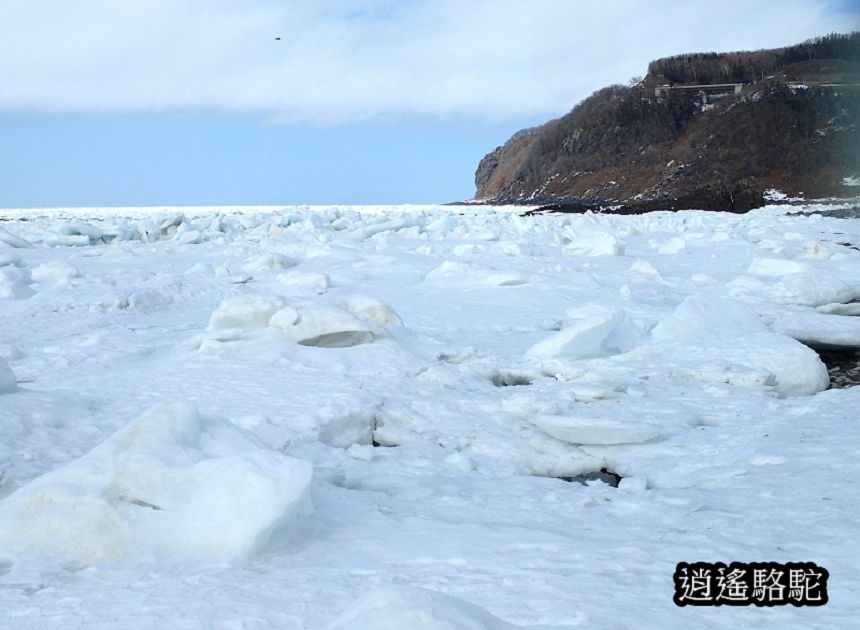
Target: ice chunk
<point>371,308</point>
<point>304,282</point>
<point>674,245</point>
<point>326,326</point>
<point>268,261</point>
<point>80,229</point>
<point>8,382</point>
<point>352,427</point>
<point>819,329</point>
<point>597,331</point>
<point>13,283</point>
<point>719,329</point>
<point>595,430</point>
<point>54,271</point>
<point>644,267</point>
<point>594,243</point>
<point>284,318</point>
<point>812,289</point>
<point>775,267</point>
<point>852,309</point>
<point>13,241</point>
<point>245,312</point>
<point>149,300</point>
<point>68,240</point>
<point>399,608</point>
<point>167,483</point>
<point>188,236</point>
<point>815,250</point>
<point>75,235</point>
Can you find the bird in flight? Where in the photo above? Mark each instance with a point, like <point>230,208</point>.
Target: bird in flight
<point>277,39</point>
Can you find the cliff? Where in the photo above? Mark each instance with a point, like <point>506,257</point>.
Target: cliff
<point>705,130</point>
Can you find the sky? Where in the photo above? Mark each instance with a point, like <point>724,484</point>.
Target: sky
<point>217,102</point>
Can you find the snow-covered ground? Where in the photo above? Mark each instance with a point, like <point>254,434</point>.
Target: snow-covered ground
<point>363,417</point>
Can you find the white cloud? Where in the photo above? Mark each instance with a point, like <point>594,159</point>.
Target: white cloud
<point>344,62</point>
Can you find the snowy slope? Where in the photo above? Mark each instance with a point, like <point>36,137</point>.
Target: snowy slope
<point>363,417</point>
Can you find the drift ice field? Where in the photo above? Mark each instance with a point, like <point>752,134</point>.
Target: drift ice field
<point>420,417</point>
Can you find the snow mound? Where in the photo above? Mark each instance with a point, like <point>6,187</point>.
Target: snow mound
<point>324,326</point>
<point>8,382</point>
<point>354,321</point>
<point>448,269</point>
<point>645,268</point>
<point>58,272</point>
<point>244,312</point>
<point>345,428</point>
<point>13,283</point>
<point>775,267</point>
<point>728,331</point>
<point>593,243</point>
<point>168,483</point>
<point>594,430</point>
<point>304,282</point>
<point>816,250</point>
<point>268,261</point>
<point>672,246</point>
<point>371,308</point>
<point>400,608</point>
<point>597,331</point>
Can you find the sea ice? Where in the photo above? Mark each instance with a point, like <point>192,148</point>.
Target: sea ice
<point>168,483</point>
<point>775,267</point>
<point>327,326</point>
<point>13,283</point>
<point>371,308</point>
<point>244,312</point>
<point>729,331</point>
<point>433,450</point>
<point>596,331</point>
<point>304,282</point>
<point>819,329</point>
<point>577,430</point>
<point>268,261</point>
<point>593,243</point>
<point>13,241</point>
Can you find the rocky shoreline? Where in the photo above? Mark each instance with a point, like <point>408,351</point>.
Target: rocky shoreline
<point>631,207</point>
<point>843,366</point>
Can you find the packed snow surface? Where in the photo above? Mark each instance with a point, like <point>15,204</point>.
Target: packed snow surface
<point>368,417</point>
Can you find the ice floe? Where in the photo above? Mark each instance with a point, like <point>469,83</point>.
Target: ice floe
<point>169,483</point>
<point>596,331</point>
<point>446,372</point>
<point>731,332</point>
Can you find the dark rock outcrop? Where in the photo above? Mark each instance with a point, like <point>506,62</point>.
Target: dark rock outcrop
<point>792,124</point>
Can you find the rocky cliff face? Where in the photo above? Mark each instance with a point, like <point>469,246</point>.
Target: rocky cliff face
<point>791,125</point>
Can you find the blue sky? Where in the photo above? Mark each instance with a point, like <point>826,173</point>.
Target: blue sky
<point>185,102</point>
<point>217,158</point>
